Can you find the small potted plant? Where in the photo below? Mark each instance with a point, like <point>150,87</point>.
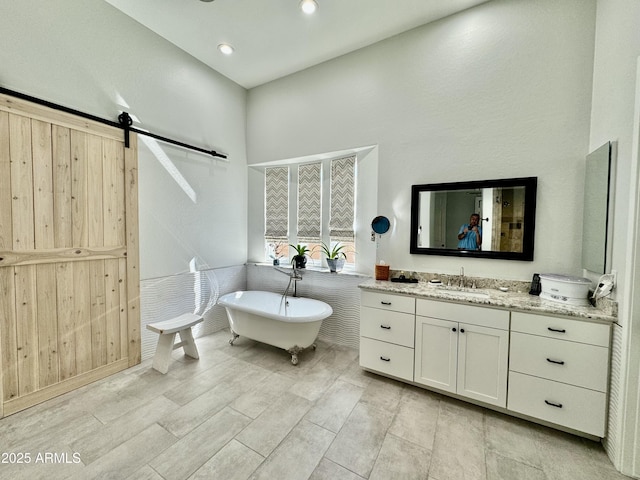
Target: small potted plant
<point>335,256</point>
<point>276,248</point>
<point>300,258</point>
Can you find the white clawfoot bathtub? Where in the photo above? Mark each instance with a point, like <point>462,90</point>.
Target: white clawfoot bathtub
<point>291,323</point>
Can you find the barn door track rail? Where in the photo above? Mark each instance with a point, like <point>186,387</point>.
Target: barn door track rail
<point>124,122</point>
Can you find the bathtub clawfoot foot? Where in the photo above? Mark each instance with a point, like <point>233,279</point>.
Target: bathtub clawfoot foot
<point>294,353</point>
<point>233,339</point>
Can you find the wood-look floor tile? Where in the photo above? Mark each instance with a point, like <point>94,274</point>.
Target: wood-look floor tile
<point>506,468</point>
<point>258,399</point>
<point>400,459</point>
<point>129,456</point>
<point>265,433</point>
<point>298,455</point>
<point>315,382</point>
<point>328,470</point>
<point>101,440</point>
<point>335,406</point>
<point>194,413</point>
<point>459,446</point>
<point>357,445</point>
<point>417,417</point>
<point>233,462</point>
<point>188,454</point>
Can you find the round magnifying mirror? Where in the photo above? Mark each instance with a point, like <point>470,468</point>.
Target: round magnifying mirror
<point>380,225</point>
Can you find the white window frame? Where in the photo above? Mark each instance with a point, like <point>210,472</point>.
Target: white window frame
<point>325,179</point>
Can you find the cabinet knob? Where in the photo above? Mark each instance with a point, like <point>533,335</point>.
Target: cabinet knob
<point>462,330</point>
<point>557,405</point>
<point>453,329</point>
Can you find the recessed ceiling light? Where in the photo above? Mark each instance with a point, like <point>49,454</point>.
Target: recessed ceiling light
<point>225,48</point>
<point>308,6</point>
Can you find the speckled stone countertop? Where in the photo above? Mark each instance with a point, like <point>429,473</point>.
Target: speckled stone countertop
<point>512,299</point>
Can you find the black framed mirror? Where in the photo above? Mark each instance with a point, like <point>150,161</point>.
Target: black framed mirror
<point>485,219</point>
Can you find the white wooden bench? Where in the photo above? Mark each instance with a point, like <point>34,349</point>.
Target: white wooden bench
<point>167,330</point>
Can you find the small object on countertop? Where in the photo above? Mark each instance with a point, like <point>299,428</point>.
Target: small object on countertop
<point>404,279</point>
<point>503,289</point>
<point>435,281</point>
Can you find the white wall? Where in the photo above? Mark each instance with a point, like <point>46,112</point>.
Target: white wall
<point>615,95</point>
<point>89,56</point>
<point>500,90</point>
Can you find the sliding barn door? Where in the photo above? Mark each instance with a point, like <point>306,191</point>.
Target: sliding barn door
<point>69,282</point>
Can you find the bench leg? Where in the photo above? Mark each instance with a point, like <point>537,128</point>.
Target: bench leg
<point>163,352</point>
<point>189,346</point>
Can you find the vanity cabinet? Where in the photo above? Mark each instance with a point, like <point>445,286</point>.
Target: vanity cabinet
<point>387,333</point>
<point>462,349</point>
<point>550,368</point>
<point>559,371</point>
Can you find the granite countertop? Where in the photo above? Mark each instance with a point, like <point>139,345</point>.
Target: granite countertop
<point>512,300</point>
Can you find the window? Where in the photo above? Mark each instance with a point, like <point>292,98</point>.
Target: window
<point>324,210</point>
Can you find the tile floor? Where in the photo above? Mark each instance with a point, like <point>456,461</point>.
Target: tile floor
<point>245,412</point>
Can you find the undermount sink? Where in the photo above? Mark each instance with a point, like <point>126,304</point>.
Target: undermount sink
<point>466,293</point>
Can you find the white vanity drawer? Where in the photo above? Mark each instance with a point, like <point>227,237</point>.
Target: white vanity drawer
<point>386,358</point>
<point>388,301</point>
<point>562,328</point>
<point>387,326</point>
<point>568,362</point>
<point>573,407</point>
<point>484,317</point>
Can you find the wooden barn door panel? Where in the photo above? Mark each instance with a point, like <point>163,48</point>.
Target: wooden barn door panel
<point>69,283</point>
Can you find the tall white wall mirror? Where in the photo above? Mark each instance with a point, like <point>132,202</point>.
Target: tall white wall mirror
<point>595,223</point>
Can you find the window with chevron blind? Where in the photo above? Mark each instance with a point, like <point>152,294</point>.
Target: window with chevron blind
<point>312,224</point>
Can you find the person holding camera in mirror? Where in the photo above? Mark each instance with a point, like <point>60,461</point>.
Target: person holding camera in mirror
<point>470,234</point>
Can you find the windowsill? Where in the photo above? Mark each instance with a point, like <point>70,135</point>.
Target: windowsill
<point>312,268</point>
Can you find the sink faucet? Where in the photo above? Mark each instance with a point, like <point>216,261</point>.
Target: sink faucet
<point>461,277</point>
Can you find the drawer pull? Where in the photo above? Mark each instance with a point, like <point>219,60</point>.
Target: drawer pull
<point>558,330</point>
<point>386,359</point>
<point>385,303</point>
<point>386,327</point>
<point>557,362</point>
<point>557,405</point>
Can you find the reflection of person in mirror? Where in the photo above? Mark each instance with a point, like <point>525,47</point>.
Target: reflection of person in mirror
<point>470,234</point>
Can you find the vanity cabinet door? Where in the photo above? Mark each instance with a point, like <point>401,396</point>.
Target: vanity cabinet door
<point>436,353</point>
<point>483,364</point>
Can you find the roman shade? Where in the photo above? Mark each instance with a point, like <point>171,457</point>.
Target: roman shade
<point>309,202</point>
<point>277,204</point>
<point>342,199</point>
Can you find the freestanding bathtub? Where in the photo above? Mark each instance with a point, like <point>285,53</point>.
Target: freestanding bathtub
<point>291,323</point>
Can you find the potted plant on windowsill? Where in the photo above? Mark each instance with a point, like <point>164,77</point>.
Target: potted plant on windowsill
<point>335,257</point>
<point>300,258</point>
